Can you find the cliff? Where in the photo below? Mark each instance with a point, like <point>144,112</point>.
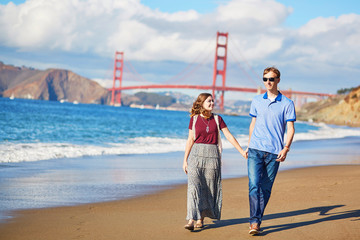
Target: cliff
<point>51,84</point>
<point>339,110</point>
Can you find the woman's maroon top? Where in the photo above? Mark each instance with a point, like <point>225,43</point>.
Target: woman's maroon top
<point>202,136</point>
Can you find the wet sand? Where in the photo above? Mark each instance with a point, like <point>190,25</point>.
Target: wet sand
<point>307,203</point>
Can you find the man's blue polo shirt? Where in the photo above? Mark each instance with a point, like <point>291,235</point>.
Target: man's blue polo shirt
<point>270,125</point>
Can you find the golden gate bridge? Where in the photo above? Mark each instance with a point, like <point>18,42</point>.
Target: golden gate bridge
<point>219,71</point>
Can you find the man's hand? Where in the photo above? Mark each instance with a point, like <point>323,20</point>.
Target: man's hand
<point>282,155</point>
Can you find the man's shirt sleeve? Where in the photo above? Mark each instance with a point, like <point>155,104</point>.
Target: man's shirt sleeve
<point>252,112</point>
<point>290,114</point>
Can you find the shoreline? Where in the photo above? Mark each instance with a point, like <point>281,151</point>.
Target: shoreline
<point>317,202</point>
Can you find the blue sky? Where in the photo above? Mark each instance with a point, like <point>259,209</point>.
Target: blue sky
<point>315,44</point>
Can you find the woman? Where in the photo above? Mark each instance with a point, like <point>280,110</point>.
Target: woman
<point>202,162</point>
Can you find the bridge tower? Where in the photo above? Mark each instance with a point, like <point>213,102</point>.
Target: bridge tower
<point>118,73</point>
<point>220,65</point>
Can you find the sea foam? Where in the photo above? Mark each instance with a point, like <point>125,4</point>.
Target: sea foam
<point>19,152</point>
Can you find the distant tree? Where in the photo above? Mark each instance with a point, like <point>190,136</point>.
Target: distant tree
<point>155,99</point>
<point>344,90</point>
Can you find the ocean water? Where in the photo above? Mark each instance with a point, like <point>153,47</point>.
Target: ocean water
<point>57,154</point>
<point>33,130</point>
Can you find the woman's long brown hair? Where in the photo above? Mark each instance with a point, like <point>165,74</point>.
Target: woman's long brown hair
<point>197,107</point>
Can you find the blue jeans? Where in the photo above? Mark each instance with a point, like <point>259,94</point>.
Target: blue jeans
<point>262,170</point>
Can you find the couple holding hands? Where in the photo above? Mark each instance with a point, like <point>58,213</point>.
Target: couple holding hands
<point>271,114</point>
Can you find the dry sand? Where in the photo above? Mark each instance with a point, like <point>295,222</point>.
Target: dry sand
<point>308,203</point>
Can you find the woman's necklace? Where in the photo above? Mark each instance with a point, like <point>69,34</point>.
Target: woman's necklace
<point>207,124</point>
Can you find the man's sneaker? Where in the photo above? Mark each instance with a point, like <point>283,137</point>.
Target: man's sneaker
<point>254,229</point>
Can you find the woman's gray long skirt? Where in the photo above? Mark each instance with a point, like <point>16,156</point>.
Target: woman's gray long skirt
<point>204,196</point>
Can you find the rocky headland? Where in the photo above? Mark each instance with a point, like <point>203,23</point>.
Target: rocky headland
<point>50,84</point>
<point>338,110</point>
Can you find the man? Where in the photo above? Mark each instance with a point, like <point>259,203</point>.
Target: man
<point>271,114</point>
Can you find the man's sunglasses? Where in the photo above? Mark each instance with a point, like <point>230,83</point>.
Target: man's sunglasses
<point>270,79</point>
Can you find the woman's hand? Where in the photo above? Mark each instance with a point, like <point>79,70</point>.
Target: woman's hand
<point>189,144</point>
<point>244,154</point>
<point>185,167</point>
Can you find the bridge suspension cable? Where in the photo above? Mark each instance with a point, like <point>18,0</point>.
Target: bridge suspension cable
<point>193,66</point>
<point>137,77</point>
<point>243,70</point>
<point>244,59</point>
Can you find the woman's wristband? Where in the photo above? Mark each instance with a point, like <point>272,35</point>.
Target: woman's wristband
<point>287,148</point>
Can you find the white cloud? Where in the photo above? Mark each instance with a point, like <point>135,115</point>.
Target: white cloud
<point>263,12</point>
<point>328,40</point>
<point>103,26</point>
<point>323,25</point>
<point>182,16</point>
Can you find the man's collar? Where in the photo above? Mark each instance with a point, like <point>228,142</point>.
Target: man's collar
<point>278,97</point>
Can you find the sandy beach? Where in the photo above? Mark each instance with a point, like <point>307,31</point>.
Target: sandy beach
<point>307,203</point>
